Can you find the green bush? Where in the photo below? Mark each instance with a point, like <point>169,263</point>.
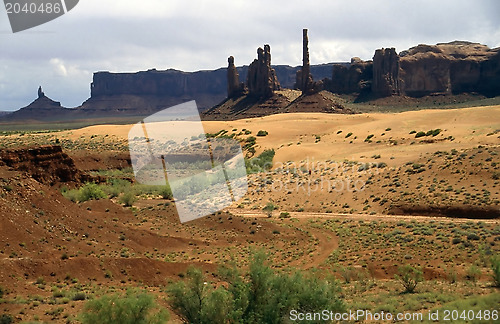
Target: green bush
<point>263,296</point>
<point>269,207</point>
<point>419,134</point>
<point>133,308</point>
<point>262,133</point>
<point>165,192</point>
<point>409,277</point>
<point>284,215</point>
<point>90,191</point>
<point>495,267</point>
<point>433,132</point>
<point>128,199</point>
<point>261,163</point>
<point>6,319</point>
<point>473,273</point>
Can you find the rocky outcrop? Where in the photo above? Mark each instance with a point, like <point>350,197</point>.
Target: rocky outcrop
<point>426,70</point>
<point>46,164</point>
<point>304,78</point>
<point>386,68</point>
<point>261,78</point>
<point>354,78</point>
<point>446,68</point>
<point>450,68</point>
<point>40,92</point>
<point>235,88</point>
<point>42,109</point>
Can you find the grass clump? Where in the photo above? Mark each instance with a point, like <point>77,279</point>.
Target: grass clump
<point>495,267</point>
<point>409,277</point>
<point>89,191</point>
<point>132,308</point>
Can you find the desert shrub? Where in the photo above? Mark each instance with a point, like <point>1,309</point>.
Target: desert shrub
<point>79,296</point>
<point>473,273</point>
<point>495,267</point>
<point>473,237</point>
<point>2,291</point>
<point>409,277</point>
<point>6,319</point>
<point>419,134</point>
<point>348,135</point>
<point>262,133</point>
<point>433,132</point>
<point>90,191</point>
<point>284,215</point>
<point>116,186</point>
<point>269,207</point>
<point>165,192</point>
<point>128,199</point>
<point>263,296</point>
<point>260,163</point>
<point>70,194</point>
<point>452,275</point>
<point>134,307</point>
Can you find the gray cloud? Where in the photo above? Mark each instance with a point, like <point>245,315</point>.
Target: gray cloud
<point>126,35</point>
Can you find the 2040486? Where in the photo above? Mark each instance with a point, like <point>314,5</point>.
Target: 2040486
<point>44,7</point>
<point>470,315</point>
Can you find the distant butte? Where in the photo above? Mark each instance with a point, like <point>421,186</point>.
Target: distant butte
<point>444,69</point>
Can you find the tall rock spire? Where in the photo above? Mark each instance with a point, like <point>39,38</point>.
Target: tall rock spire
<point>261,78</point>
<point>303,79</point>
<point>234,87</point>
<point>40,92</point>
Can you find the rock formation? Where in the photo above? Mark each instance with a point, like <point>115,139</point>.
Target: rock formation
<point>304,79</point>
<point>46,164</point>
<point>261,77</point>
<point>446,68</point>
<point>234,87</point>
<point>386,68</point>
<point>450,68</point>
<point>40,92</point>
<point>355,78</point>
<point>42,108</point>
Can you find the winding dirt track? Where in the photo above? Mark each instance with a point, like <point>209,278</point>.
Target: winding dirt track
<point>365,217</point>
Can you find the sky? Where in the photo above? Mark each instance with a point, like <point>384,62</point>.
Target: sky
<point>191,35</point>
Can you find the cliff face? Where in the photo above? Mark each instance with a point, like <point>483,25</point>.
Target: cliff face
<point>447,68</point>
<point>386,72</point>
<point>149,91</point>
<point>152,90</point>
<point>46,164</point>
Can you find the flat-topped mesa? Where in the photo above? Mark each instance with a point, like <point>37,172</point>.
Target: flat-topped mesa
<point>261,77</point>
<point>234,87</point>
<point>386,68</point>
<point>304,80</point>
